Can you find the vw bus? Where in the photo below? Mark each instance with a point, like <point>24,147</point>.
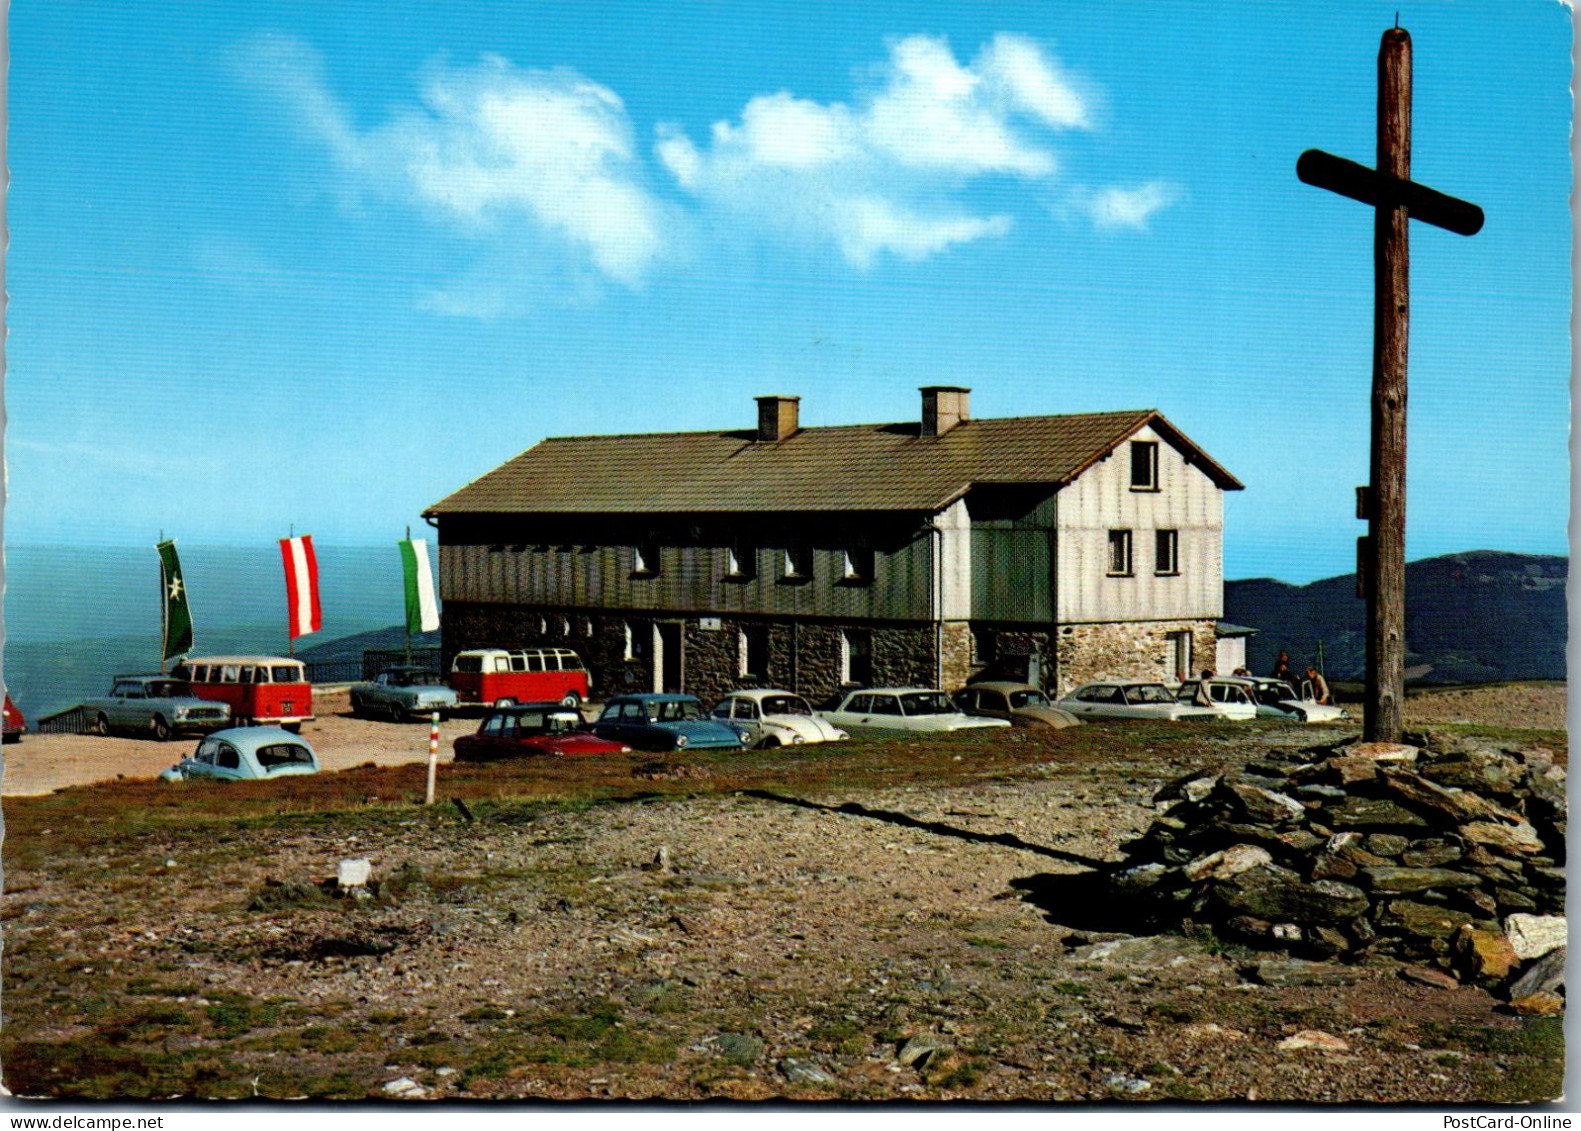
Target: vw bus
<point>497,678</point>
<point>266,690</point>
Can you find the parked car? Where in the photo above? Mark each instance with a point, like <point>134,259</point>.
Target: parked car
<point>15,724</point>
<point>268,690</point>
<point>917,709</point>
<point>1276,699</point>
<point>1021,703</point>
<point>775,718</point>
<point>499,678</point>
<point>661,722</point>
<point>403,692</point>
<point>246,753</point>
<point>1230,698</point>
<point>1130,699</point>
<point>532,728</point>
<point>159,705</point>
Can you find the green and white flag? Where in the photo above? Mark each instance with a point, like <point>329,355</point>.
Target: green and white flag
<point>178,616</point>
<point>422,611</point>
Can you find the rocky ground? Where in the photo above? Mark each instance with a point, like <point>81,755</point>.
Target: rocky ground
<point>887,920</point>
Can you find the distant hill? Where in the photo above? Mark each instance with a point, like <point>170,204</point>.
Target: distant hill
<point>390,639</point>
<point>1473,617</point>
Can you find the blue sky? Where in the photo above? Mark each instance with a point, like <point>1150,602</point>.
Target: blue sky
<point>321,265</point>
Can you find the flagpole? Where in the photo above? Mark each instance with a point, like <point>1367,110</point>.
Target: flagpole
<point>164,608</point>
<point>290,641</point>
<point>408,619</point>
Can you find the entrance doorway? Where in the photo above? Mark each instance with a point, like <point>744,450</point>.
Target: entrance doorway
<point>1181,654</point>
<point>668,659</point>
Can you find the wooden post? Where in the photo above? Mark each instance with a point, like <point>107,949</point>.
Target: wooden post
<point>433,758</point>
<point>1391,324</point>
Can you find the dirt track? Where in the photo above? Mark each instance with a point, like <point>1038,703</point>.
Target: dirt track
<point>43,763</point>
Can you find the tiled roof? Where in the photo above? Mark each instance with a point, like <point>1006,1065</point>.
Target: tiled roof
<point>857,467</point>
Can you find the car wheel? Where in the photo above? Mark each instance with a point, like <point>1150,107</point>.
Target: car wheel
<point>571,699</point>
<point>291,728</point>
<point>396,714</point>
<point>770,743</point>
<point>101,726</point>
<point>356,707</point>
<point>162,729</point>
<point>500,704</point>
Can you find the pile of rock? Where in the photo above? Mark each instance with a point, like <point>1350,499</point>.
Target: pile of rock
<point>1447,851</point>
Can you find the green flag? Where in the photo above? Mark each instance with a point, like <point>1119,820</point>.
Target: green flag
<point>178,616</point>
<point>422,611</point>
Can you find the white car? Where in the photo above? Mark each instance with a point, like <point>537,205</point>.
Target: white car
<point>775,718</point>
<point>1231,698</point>
<point>915,709</point>
<point>1131,699</point>
<point>1276,699</point>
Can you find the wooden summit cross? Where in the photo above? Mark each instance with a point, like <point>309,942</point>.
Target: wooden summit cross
<point>1397,199</point>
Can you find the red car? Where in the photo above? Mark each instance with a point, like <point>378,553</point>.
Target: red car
<point>15,724</point>
<point>533,728</point>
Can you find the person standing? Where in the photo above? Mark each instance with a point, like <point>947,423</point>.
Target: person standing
<point>1319,685</point>
<point>1283,670</point>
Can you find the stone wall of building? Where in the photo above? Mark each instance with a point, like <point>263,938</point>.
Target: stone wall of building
<point>957,655</point>
<point>804,657</point>
<point>1129,650</point>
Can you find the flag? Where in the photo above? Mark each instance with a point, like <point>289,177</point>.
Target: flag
<point>301,585</point>
<point>422,611</point>
<point>178,616</point>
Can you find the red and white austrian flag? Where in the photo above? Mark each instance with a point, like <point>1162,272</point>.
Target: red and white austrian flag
<point>301,585</point>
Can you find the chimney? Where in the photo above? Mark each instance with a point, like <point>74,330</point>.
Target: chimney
<point>943,407</point>
<point>777,417</point>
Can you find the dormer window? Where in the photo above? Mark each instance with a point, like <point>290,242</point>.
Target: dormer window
<point>1144,465</point>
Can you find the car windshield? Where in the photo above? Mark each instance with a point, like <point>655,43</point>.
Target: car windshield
<point>785,705</point>
<point>1019,699</point>
<point>469,663</point>
<point>1148,693</point>
<point>927,703</point>
<point>671,711</point>
<point>278,754</point>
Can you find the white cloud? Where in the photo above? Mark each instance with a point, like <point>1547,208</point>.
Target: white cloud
<point>545,157</point>
<point>886,173</point>
<point>1114,207</point>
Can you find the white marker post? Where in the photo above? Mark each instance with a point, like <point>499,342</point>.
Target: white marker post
<point>433,757</point>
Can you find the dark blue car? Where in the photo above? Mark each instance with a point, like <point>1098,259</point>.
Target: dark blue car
<point>665,722</point>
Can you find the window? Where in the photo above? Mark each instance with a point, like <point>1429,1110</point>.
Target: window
<point>886,705</point>
<point>535,661</point>
<point>723,710</point>
<point>1119,553</point>
<point>797,563</point>
<point>754,645</point>
<point>229,759</point>
<point>857,565</point>
<point>856,656</point>
<point>741,562</point>
<point>1166,555</point>
<point>519,661</point>
<point>1144,465</point>
<point>645,557</point>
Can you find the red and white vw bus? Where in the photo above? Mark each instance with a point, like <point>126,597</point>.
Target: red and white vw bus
<point>261,690</point>
<point>498,678</point>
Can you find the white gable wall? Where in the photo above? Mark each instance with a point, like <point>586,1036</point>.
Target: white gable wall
<point>1101,500</point>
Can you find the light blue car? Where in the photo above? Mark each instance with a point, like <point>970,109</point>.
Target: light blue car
<point>246,754</point>
<point>666,722</point>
